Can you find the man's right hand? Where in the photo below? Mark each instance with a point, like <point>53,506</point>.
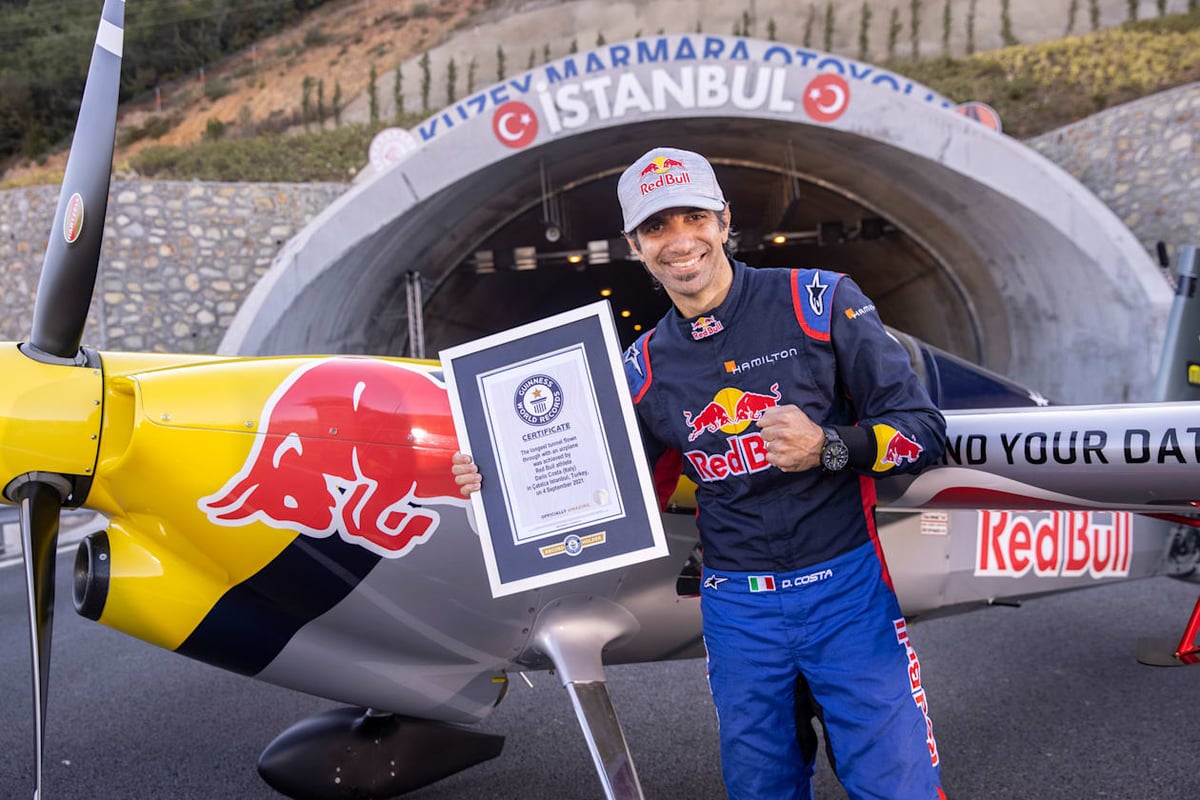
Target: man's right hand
<point>466,474</point>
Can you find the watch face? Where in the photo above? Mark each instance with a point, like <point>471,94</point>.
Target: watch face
<point>835,455</point>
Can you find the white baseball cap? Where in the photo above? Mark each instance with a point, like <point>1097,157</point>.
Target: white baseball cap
<point>667,178</point>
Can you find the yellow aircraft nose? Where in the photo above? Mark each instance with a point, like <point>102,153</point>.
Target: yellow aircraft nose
<point>50,416</point>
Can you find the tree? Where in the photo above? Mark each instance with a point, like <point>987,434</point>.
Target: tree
<point>771,30</point>
<point>306,87</point>
<point>451,79</point>
<point>321,102</point>
<point>372,95</point>
<point>500,63</point>
<point>337,106</point>
<point>471,66</point>
<point>600,40</point>
<point>864,32</point>
<point>894,28</point>
<point>398,93</point>
<point>971,26</point>
<point>914,33</point>
<point>1006,31</point>
<point>829,26</point>
<point>947,25</point>
<point>808,25</point>
<point>425,81</point>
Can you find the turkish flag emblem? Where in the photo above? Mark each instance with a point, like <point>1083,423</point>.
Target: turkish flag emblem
<point>515,124</point>
<point>826,97</point>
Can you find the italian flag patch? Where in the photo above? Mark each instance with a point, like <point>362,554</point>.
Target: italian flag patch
<point>762,583</point>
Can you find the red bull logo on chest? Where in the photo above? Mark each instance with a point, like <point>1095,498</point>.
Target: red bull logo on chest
<point>730,411</point>
<point>705,327</point>
<point>355,446</point>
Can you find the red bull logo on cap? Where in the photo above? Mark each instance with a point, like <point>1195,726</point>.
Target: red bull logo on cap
<point>662,167</point>
<point>356,446</point>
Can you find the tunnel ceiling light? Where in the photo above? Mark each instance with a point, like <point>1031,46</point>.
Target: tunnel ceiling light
<point>637,327</point>
<point>598,252</point>
<point>574,258</point>
<point>485,262</point>
<point>525,258</point>
<point>606,292</point>
<point>779,238</point>
<point>627,313</point>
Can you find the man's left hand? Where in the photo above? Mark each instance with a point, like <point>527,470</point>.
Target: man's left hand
<point>793,440</point>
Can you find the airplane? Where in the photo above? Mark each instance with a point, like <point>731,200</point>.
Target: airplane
<point>294,519</point>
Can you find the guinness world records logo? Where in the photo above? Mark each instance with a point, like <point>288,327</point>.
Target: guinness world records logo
<point>538,399</point>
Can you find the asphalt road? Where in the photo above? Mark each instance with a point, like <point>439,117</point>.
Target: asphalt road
<point>1044,701</point>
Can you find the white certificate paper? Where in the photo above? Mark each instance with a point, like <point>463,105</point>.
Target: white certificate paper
<point>545,427</point>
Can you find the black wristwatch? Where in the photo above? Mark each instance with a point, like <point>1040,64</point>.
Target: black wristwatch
<point>834,453</point>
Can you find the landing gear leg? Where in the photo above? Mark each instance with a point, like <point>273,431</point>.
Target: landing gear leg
<point>572,632</point>
<point>1161,653</point>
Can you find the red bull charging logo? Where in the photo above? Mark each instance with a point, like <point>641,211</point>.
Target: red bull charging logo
<point>661,164</point>
<point>900,449</point>
<point>731,411</point>
<point>356,446</point>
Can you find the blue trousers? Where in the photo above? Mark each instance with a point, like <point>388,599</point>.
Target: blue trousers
<point>832,632</point>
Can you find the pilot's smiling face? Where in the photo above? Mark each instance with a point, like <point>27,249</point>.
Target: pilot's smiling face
<point>683,248</point>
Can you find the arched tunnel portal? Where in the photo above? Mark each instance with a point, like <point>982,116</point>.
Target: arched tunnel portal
<point>962,236</point>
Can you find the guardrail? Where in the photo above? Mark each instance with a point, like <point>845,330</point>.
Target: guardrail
<point>76,523</point>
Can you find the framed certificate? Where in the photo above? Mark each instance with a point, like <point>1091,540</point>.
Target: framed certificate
<point>546,414</point>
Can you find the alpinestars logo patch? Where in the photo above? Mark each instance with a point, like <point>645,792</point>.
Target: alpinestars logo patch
<point>816,294</point>
<point>634,356</point>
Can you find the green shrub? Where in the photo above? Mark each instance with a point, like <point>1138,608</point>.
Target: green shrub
<point>216,88</point>
<point>315,37</point>
<point>214,129</point>
<point>155,127</point>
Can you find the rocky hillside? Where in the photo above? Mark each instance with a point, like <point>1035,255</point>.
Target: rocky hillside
<point>322,66</point>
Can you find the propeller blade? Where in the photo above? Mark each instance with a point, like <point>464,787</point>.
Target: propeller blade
<point>40,504</point>
<point>73,253</point>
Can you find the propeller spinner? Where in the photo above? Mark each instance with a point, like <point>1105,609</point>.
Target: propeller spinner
<point>59,315</point>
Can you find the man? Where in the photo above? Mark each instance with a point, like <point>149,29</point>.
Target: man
<point>780,394</point>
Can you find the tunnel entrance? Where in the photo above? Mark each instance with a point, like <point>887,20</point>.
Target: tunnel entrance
<point>963,237</point>
<point>559,253</point>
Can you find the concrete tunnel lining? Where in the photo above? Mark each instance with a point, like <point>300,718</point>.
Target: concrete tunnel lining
<point>1032,275</point>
